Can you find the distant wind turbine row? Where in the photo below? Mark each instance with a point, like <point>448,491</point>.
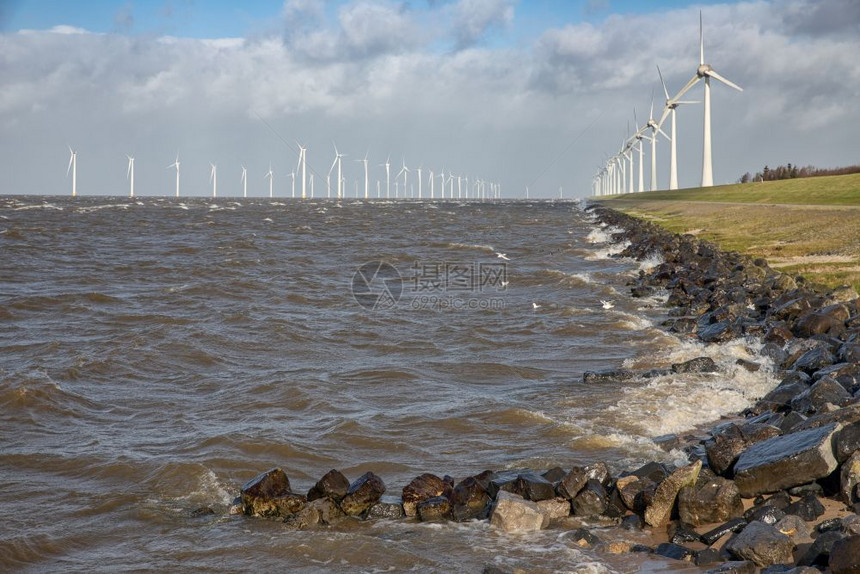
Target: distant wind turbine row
<point>613,177</point>
<point>479,189</point>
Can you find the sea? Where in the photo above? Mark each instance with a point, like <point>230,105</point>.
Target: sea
<point>157,353</point>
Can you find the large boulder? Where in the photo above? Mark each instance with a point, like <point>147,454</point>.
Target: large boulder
<point>763,544</point>
<point>697,365</point>
<point>725,447</point>
<point>659,511</point>
<point>711,501</point>
<point>513,513</point>
<point>813,399</point>
<point>848,441</point>
<point>421,488</point>
<point>533,487</point>
<point>576,479</point>
<point>333,485</point>
<point>436,509</point>
<point>849,477</point>
<point>555,509</point>
<point>845,556</point>
<point>786,461</point>
<point>362,494</point>
<point>816,358</point>
<point>268,495</point>
<point>591,500</point>
<point>318,512</point>
<point>469,500</point>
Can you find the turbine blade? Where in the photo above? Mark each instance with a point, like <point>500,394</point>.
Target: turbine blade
<point>686,102</point>
<point>693,81</point>
<point>701,41</point>
<point>665,115</point>
<point>665,91</point>
<point>730,84</point>
<point>68,169</point>
<point>664,134</point>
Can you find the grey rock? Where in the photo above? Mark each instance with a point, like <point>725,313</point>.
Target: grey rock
<point>513,513</point>
<point>718,332</point>
<point>791,421</point>
<point>591,500</point>
<point>386,510</point>
<point>819,553</point>
<point>697,365</point>
<point>607,376</point>
<point>847,441</point>
<point>724,449</point>
<point>762,544</point>
<point>795,528</point>
<point>734,567</point>
<point>808,508</point>
<point>708,556</point>
<point>555,509</point>
<point>533,487</point>
<point>318,512</point>
<point>674,551</point>
<point>814,359</point>
<point>735,525</point>
<point>813,399</point>
<point>764,513</point>
<point>708,502</point>
<point>576,479</point>
<point>786,461</point>
<point>849,478</point>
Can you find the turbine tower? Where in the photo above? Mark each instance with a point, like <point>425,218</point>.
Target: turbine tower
<point>419,182</point>
<point>271,177</point>
<point>213,177</point>
<point>176,165</point>
<point>130,175</point>
<point>73,166</point>
<point>669,109</point>
<point>293,184</point>
<point>244,182</point>
<point>302,166</point>
<point>338,157</point>
<point>655,129</point>
<point>706,72</point>
<point>387,165</point>
<point>366,176</point>
<point>404,171</point>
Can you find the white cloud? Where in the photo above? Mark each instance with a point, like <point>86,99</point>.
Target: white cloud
<point>473,18</point>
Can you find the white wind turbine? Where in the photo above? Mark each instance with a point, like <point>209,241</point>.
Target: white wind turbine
<point>707,72</point>
<point>366,175</point>
<point>130,175</point>
<point>328,175</point>
<point>271,175</point>
<point>669,109</point>
<point>419,181</point>
<point>655,129</point>
<point>302,166</point>
<point>432,187</point>
<point>387,166</point>
<point>404,171</point>
<point>337,157</point>
<point>293,184</point>
<point>244,182</point>
<point>73,166</point>
<point>176,165</point>
<point>213,177</point>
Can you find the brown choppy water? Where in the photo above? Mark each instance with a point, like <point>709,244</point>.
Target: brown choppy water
<point>155,354</point>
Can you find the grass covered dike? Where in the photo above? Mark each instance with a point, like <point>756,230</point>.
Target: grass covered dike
<point>808,227</point>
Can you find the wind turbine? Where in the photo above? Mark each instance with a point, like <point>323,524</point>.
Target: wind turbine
<point>655,129</point>
<point>669,109</point>
<point>303,162</point>
<point>707,72</point>
<point>244,182</point>
<point>387,165</point>
<point>176,165</point>
<point>405,172</point>
<point>337,158</point>
<point>130,175</point>
<point>73,166</point>
<point>271,177</point>
<point>366,176</point>
<point>328,175</point>
<point>213,177</point>
<point>432,187</point>
<point>293,184</point>
<point>419,182</point>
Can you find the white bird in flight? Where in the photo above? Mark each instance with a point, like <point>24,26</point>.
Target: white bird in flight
<point>607,304</point>
<point>503,256</point>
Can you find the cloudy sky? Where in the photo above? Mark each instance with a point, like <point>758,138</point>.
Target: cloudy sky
<point>526,93</point>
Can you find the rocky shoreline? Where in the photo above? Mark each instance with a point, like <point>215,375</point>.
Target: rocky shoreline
<point>755,492</point>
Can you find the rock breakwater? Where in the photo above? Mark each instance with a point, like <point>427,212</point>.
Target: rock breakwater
<point>756,491</point>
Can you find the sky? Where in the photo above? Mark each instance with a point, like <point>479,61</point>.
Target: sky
<point>533,94</point>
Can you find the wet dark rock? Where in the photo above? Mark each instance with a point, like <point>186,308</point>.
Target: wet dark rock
<point>632,522</point>
<point>734,567</point>
<point>591,500</point>
<point>849,478</point>
<point>554,475</point>
<point>786,461</point>
<point>659,510</point>
<point>642,291</point>
<point>268,495</point>
<point>495,570</point>
<point>808,508</point>
<point>584,538</point>
<point>684,326</point>
<point>843,416</point>
<point>708,502</point>
<point>818,323</point>
<point>724,449</point>
<point>318,512</point>
<point>708,556</point>
<point>575,480</point>
<point>680,532</point>
<point>607,376</point>
<point>819,553</point>
<point>697,365</point>
<point>847,441</point>
<point>362,494</point>
<point>814,359</point>
<point>778,335</point>
<point>764,513</point>
<point>202,511</point>
<point>762,544</point>
<point>779,500</point>
<point>782,395</point>
<point>386,510</point>
<point>791,421</point>
<point>333,485</point>
<point>653,471</point>
<point>804,489</point>
<point>533,487</point>
<point>436,509</point>
<point>421,488</point>
<point>735,525</point>
<point>469,500</point>
<point>813,399</point>
<point>718,332</point>
<point>829,524</point>
<point>674,551</point>
<point>774,352</point>
<point>845,556</point>
<point>750,366</point>
<point>795,528</point>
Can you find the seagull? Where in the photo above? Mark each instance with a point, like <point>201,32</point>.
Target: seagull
<point>503,256</point>
<point>607,304</point>
<point>505,283</point>
<point>535,305</point>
